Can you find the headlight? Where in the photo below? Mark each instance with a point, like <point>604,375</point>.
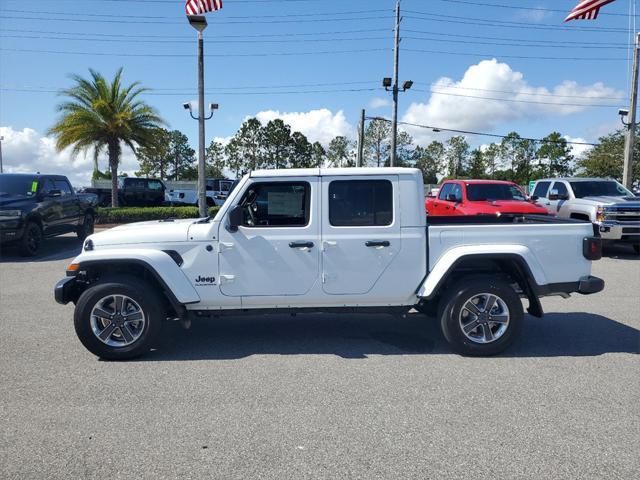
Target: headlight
<point>10,213</point>
<point>600,214</point>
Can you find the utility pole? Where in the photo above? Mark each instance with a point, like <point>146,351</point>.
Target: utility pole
<point>396,58</point>
<point>629,146</point>
<point>391,85</point>
<point>1,139</point>
<point>360,139</point>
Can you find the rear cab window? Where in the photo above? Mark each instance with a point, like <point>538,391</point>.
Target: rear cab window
<point>360,203</point>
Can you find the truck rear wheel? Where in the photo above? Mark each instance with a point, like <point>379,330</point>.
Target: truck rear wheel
<point>481,316</point>
<point>119,318</point>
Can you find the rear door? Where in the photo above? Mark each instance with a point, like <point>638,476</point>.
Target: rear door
<point>275,251</point>
<point>69,205</point>
<point>360,234</point>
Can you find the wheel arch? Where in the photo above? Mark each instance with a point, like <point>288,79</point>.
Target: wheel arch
<point>158,268</point>
<point>512,266</point>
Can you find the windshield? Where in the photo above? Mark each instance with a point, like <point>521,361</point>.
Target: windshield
<point>479,192</point>
<point>599,188</point>
<point>24,185</point>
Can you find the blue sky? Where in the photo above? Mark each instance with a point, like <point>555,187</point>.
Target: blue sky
<point>321,60</point>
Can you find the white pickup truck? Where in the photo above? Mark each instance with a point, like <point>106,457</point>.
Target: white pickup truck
<point>326,240</point>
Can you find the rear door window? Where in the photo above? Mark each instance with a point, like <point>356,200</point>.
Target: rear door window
<point>360,203</point>
<point>561,188</point>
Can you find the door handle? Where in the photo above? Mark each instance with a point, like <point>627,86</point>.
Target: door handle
<point>378,244</point>
<point>301,245</point>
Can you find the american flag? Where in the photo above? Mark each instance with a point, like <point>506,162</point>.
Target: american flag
<point>198,7</point>
<point>587,10</point>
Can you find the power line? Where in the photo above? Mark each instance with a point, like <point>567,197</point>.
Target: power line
<point>513,100</point>
<point>167,17</point>
<point>531,57</point>
<point>535,94</point>
<point>178,22</point>
<point>532,9</point>
<point>124,39</point>
<point>483,134</point>
<point>186,55</point>
<point>505,24</point>
<point>510,39</point>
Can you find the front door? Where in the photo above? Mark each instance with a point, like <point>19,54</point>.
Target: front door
<point>275,252</point>
<point>360,236</point>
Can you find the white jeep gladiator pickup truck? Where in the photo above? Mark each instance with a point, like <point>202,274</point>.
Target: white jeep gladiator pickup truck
<point>326,240</point>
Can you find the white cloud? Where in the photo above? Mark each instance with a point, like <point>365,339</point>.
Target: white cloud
<point>578,150</point>
<point>27,150</point>
<point>379,102</point>
<point>536,16</point>
<point>318,125</point>
<point>455,107</point>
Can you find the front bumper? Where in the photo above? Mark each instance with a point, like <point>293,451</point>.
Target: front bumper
<point>65,290</point>
<point>11,230</point>
<point>629,232</point>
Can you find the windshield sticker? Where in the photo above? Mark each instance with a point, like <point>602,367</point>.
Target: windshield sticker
<point>34,187</point>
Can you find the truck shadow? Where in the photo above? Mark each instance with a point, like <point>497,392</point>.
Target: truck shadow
<point>359,336</point>
<point>55,248</point>
<point>620,252</point>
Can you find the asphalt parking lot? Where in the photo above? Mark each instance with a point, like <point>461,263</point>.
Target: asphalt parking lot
<point>318,396</point>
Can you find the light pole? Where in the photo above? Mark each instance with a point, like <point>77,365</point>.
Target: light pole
<point>627,176</point>
<point>1,139</point>
<point>199,22</point>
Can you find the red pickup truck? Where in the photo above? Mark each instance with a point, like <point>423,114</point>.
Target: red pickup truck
<point>480,197</point>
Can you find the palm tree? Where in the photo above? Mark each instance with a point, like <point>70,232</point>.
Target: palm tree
<point>100,114</point>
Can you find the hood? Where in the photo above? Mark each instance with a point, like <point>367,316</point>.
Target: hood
<point>608,200</point>
<point>15,201</point>
<point>155,231</point>
<point>509,206</point>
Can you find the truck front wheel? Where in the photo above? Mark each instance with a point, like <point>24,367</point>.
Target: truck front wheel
<point>481,316</point>
<point>118,318</point>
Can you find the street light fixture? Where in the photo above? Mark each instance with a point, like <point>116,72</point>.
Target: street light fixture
<point>407,85</point>
<point>386,83</point>
<point>199,23</point>
<point>623,112</point>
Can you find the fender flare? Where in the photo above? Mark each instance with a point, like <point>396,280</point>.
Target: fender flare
<point>159,264</point>
<point>523,259</point>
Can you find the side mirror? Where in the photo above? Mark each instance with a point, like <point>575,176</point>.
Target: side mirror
<point>553,195</point>
<point>235,218</point>
<point>534,198</point>
<point>54,193</point>
<point>452,197</point>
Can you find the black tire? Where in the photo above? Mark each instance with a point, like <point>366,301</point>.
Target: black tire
<point>86,228</point>
<point>142,294</point>
<point>31,240</point>
<point>452,316</point>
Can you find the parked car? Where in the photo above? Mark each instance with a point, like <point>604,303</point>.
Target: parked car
<point>217,191</point>
<point>601,201</point>
<point>327,240</point>
<point>133,192</point>
<point>480,197</point>
<point>35,206</point>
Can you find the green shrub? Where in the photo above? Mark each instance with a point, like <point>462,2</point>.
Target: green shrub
<point>143,214</point>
